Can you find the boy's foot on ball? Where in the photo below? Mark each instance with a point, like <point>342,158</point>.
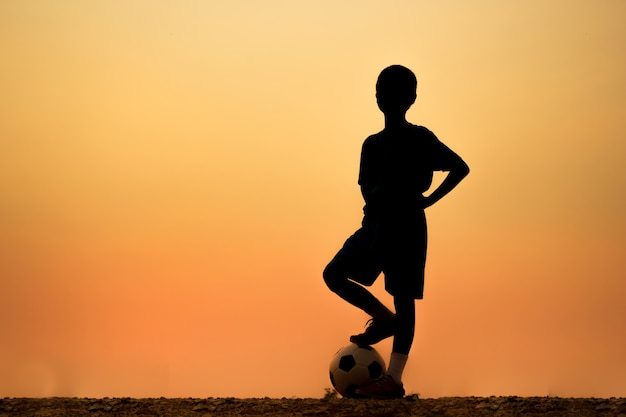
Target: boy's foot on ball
<point>376,331</point>
<point>383,388</point>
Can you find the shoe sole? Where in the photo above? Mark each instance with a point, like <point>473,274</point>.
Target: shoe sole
<point>358,341</point>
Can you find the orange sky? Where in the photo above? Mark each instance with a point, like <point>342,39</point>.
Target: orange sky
<point>174,176</point>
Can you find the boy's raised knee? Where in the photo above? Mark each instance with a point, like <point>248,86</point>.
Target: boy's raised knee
<point>333,277</point>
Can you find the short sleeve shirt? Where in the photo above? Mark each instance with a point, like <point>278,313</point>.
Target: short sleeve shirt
<point>397,168</point>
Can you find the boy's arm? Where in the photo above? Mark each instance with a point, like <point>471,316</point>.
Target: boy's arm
<point>457,170</point>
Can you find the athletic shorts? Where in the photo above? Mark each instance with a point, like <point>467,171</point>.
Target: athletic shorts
<point>399,255</point>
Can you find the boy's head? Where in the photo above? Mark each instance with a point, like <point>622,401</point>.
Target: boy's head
<point>396,89</point>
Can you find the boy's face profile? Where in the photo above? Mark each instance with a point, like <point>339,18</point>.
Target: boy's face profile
<point>395,89</point>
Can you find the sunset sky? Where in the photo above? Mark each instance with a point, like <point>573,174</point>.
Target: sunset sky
<point>175,175</point>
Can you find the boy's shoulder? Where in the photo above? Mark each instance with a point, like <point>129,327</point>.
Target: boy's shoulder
<point>421,130</point>
<point>411,131</point>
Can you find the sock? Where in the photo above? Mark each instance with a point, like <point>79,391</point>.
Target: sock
<point>396,366</point>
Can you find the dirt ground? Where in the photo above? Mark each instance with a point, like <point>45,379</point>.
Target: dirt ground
<point>335,407</point>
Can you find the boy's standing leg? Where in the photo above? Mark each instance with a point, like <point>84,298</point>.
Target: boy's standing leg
<point>390,385</point>
<point>403,339</point>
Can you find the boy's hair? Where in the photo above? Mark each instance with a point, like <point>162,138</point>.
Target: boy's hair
<point>399,84</point>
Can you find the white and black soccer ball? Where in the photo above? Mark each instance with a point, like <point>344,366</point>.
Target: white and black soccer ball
<point>354,366</point>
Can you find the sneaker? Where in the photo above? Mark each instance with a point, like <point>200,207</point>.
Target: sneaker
<point>383,388</point>
<point>375,331</point>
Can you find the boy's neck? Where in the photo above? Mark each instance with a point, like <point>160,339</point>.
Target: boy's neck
<point>393,121</point>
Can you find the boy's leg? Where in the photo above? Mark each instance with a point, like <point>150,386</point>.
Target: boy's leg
<point>356,265</point>
<point>390,385</point>
<point>338,282</point>
<point>405,324</point>
<point>403,338</point>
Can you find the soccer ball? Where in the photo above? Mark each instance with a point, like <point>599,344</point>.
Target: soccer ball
<point>354,366</point>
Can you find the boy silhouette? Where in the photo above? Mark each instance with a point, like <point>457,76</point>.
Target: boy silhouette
<point>396,168</point>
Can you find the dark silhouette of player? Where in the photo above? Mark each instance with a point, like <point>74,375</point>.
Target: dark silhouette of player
<point>396,169</point>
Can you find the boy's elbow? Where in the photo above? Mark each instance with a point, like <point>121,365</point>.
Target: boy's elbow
<point>466,169</point>
<point>463,169</point>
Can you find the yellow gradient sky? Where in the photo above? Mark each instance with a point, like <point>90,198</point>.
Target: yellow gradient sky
<point>175,175</point>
